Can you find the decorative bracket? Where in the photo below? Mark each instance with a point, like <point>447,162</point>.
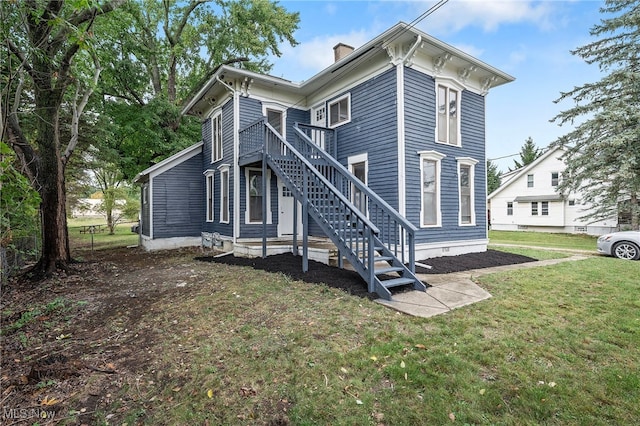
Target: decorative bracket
<point>464,73</point>
<point>245,87</point>
<point>440,61</point>
<point>486,84</point>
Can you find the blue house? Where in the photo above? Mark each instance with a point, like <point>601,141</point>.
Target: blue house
<point>382,154</point>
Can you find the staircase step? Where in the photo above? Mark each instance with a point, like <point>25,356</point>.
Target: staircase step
<point>397,282</point>
<point>388,270</point>
<point>382,258</point>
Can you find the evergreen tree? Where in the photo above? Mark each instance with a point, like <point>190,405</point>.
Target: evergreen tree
<point>528,154</point>
<point>493,177</point>
<point>603,152</point>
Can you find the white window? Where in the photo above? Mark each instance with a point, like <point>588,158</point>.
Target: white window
<point>448,116</point>
<point>358,165</point>
<point>430,214</point>
<point>145,194</point>
<point>509,208</point>
<point>340,111</point>
<point>216,138</point>
<point>276,118</point>
<point>224,193</point>
<point>545,208</point>
<point>254,193</point>
<point>210,189</point>
<point>534,208</point>
<point>554,178</point>
<point>466,187</point>
<point>529,181</point>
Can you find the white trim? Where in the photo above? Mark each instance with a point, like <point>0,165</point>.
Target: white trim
<point>214,117</point>
<point>437,158</point>
<point>151,221</point>
<point>236,166</point>
<point>247,220</point>
<point>171,162</point>
<point>402,178</point>
<point>224,168</point>
<point>273,106</point>
<point>209,183</point>
<point>335,101</point>
<point>471,162</point>
<point>356,159</point>
<point>449,85</point>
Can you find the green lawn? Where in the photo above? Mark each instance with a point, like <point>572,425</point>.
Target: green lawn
<point>544,239</point>
<point>554,345</point>
<point>122,237</point>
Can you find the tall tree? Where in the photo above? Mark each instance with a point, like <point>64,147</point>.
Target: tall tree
<point>603,152</point>
<point>49,64</point>
<point>160,51</point>
<point>529,152</point>
<point>493,177</point>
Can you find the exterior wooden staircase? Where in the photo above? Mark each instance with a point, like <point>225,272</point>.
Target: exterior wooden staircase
<point>378,242</point>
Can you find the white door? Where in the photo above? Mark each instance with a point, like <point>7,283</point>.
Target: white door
<point>286,201</point>
<point>318,118</point>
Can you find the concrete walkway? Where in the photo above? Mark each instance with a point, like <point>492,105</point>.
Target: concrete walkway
<point>450,291</point>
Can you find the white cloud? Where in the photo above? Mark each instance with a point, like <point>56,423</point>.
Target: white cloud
<point>487,15</point>
<point>311,56</point>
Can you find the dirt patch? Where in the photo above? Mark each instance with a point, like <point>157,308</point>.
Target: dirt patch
<point>76,345</point>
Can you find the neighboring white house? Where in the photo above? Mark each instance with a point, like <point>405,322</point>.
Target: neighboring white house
<point>527,200</point>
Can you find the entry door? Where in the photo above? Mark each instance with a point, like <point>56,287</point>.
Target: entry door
<point>286,201</point>
<point>359,169</point>
<point>318,118</point>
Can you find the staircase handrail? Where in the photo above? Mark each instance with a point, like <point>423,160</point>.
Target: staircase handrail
<point>365,220</point>
<point>356,182</point>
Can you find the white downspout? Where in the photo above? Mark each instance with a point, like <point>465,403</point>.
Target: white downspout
<point>402,177</point>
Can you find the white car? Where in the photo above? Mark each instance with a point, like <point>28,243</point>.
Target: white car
<point>623,245</point>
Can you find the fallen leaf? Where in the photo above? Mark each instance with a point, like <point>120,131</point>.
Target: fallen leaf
<point>344,370</point>
<point>552,384</point>
<point>482,391</point>
<point>374,358</point>
<point>402,364</point>
<point>358,402</point>
<point>47,401</point>
<point>176,389</point>
<point>210,393</point>
<point>421,346</point>
<point>452,417</point>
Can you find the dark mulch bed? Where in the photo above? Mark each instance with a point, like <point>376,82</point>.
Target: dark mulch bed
<point>351,282</point>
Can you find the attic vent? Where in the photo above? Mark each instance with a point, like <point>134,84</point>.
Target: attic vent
<point>341,50</point>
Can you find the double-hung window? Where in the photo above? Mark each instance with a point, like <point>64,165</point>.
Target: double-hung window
<point>254,194</point>
<point>448,117</point>
<point>554,178</point>
<point>340,110</point>
<point>544,208</point>
<point>216,138</point>
<point>430,166</point>
<point>210,194</point>
<point>509,208</point>
<point>529,181</point>
<point>224,193</point>
<point>534,208</point>
<point>466,172</point>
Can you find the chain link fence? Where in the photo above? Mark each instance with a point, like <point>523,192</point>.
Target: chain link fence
<point>20,252</point>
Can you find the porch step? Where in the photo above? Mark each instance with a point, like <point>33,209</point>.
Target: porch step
<point>388,270</point>
<point>397,282</point>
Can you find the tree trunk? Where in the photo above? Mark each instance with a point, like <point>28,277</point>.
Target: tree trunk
<point>635,212</point>
<point>55,247</point>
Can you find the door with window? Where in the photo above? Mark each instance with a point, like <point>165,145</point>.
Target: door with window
<point>286,204</point>
<point>318,118</point>
<point>358,166</point>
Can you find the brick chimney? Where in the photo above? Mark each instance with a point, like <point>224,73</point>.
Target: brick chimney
<point>341,50</point>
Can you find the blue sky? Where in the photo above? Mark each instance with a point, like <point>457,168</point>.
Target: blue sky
<point>531,40</point>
